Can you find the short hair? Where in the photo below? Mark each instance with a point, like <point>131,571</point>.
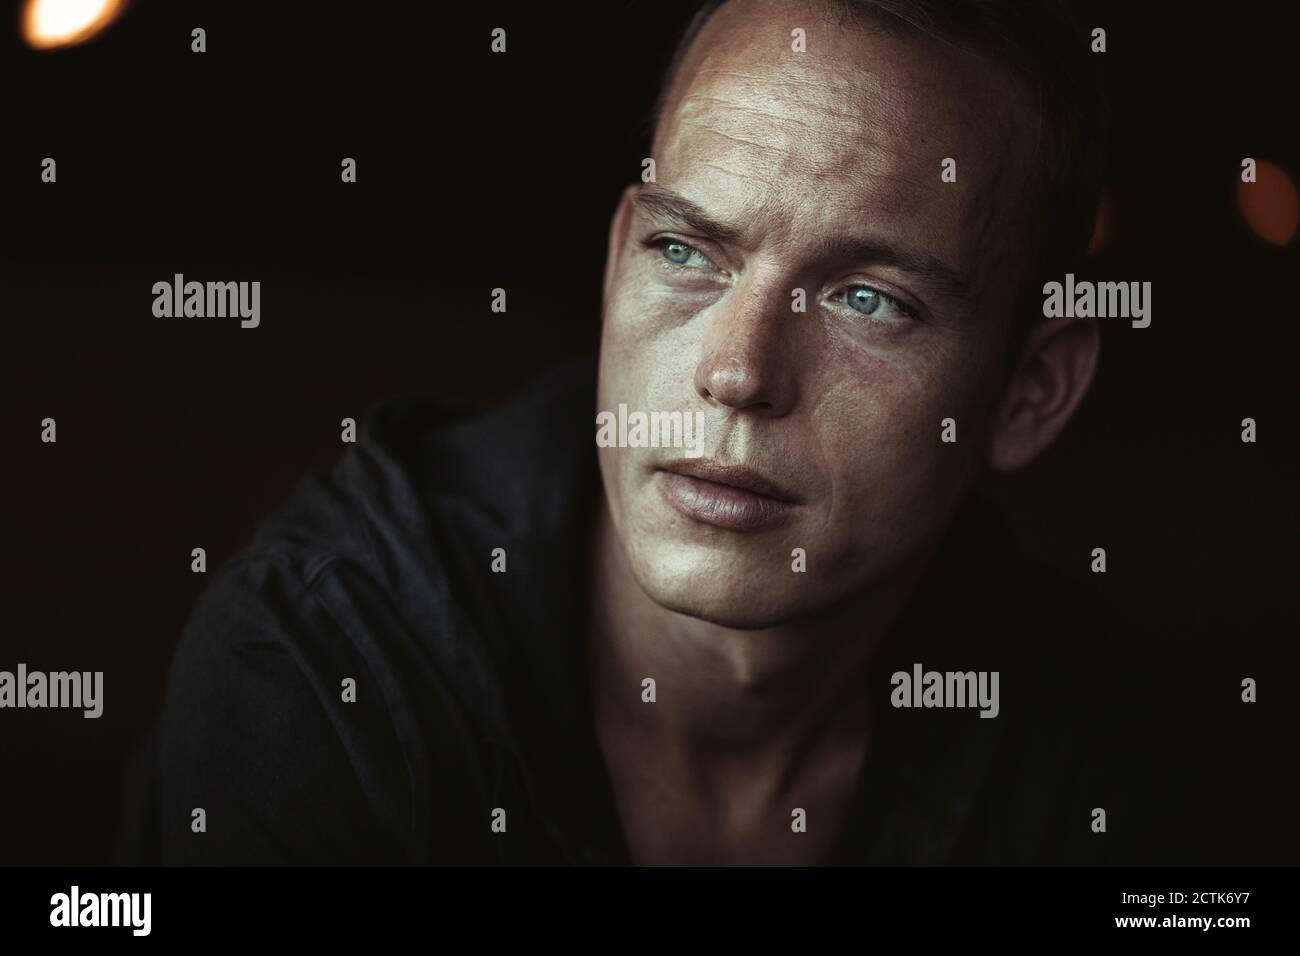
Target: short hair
<point>1048,44</point>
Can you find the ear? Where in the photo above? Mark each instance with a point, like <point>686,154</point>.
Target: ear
<point>1055,369</point>
<point>618,228</point>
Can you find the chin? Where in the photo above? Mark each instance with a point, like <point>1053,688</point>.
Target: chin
<point>736,597</point>
<point>724,611</point>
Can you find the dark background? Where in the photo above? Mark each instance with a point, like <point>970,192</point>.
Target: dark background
<point>477,171</point>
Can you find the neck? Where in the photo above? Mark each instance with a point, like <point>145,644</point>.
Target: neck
<point>760,702</point>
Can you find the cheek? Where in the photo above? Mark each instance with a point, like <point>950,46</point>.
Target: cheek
<point>623,358</point>
<point>649,343</point>
<point>644,305</point>
<point>880,435</point>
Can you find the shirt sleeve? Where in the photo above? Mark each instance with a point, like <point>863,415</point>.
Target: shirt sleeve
<point>252,768</point>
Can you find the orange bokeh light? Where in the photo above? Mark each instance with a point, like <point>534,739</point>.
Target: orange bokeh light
<point>1270,205</point>
<point>48,24</point>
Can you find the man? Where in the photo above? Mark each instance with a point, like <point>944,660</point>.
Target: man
<point>485,640</point>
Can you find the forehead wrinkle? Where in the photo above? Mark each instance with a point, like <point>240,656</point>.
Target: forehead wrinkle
<point>716,108</point>
<point>740,107</point>
<point>872,108</point>
<point>825,97</point>
<point>834,153</point>
<point>710,122</point>
<point>747,177</point>
<point>714,131</point>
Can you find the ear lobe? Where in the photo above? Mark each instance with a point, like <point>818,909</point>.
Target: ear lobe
<point>619,225</point>
<point>1055,371</point>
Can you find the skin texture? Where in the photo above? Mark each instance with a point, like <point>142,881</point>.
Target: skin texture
<point>803,163</point>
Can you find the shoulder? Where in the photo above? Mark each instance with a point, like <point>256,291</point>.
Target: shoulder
<point>309,699</point>
<point>261,757</point>
<point>337,673</point>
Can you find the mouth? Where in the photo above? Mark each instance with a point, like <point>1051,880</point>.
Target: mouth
<point>726,496</point>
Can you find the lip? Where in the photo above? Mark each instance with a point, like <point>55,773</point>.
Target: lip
<point>726,496</point>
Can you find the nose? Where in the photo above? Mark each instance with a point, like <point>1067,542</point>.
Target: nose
<point>747,361</point>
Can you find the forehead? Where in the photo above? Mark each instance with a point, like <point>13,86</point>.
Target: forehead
<point>852,131</point>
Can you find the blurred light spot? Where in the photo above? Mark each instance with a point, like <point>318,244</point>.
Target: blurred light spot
<point>47,24</point>
<point>1103,225</point>
<point>1270,204</point>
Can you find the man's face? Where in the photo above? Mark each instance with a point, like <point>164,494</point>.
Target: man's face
<point>783,175</point>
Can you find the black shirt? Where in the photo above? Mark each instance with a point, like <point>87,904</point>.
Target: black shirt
<point>471,687</point>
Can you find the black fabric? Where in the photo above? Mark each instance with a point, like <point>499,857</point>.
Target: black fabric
<point>471,686</point>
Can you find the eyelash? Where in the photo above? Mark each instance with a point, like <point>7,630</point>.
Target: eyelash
<point>661,242</point>
<point>902,307</point>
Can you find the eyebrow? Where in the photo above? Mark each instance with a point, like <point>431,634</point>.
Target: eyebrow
<point>680,210</point>
<point>951,282</point>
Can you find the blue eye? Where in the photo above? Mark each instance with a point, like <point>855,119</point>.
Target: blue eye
<point>683,254</point>
<point>863,299</point>
<point>678,252</point>
<point>874,303</point>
